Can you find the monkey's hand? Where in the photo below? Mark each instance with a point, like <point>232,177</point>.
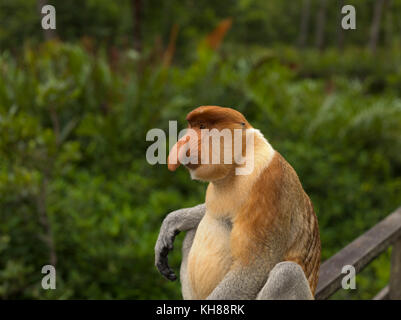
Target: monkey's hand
<point>175,222</point>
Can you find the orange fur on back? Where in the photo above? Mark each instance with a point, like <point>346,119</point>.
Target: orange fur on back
<point>279,214</point>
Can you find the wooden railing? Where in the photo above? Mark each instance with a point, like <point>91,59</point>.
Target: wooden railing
<point>360,253</point>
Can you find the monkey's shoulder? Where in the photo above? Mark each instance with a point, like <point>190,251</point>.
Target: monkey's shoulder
<point>278,182</point>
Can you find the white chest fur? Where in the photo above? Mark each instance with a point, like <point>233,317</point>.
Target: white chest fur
<point>210,256</point>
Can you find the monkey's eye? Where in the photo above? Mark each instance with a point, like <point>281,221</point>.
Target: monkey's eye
<point>202,126</point>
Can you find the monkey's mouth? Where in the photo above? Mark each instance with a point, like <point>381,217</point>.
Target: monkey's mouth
<point>192,166</point>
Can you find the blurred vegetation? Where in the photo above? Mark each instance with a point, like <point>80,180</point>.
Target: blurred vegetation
<point>75,187</point>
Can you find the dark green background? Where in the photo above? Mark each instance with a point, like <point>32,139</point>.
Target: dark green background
<point>75,186</point>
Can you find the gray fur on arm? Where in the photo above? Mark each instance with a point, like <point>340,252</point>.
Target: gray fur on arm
<point>175,222</point>
<point>241,283</point>
<point>286,281</point>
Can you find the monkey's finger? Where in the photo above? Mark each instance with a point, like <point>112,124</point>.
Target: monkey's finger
<point>162,264</point>
<point>164,269</point>
<point>171,276</point>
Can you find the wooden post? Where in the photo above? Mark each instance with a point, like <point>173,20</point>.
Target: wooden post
<point>360,253</point>
<point>395,275</point>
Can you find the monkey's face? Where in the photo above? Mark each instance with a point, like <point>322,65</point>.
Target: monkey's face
<point>214,141</point>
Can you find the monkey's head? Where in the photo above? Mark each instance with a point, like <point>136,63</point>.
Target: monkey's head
<point>215,138</point>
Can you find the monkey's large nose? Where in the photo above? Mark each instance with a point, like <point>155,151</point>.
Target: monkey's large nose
<point>173,161</point>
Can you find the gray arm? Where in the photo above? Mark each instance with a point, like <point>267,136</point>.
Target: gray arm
<point>242,282</point>
<point>286,281</point>
<point>175,222</point>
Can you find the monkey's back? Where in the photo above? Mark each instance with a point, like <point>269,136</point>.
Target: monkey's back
<point>305,248</point>
<point>279,217</point>
<point>304,245</point>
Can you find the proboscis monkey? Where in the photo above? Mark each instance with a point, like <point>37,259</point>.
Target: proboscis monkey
<point>256,236</point>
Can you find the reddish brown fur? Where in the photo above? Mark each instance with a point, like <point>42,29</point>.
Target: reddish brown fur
<point>216,117</point>
<point>271,214</point>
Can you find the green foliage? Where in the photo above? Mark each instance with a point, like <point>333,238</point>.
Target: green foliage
<point>73,169</point>
<point>256,22</point>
